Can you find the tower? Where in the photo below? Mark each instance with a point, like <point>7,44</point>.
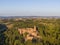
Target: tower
<point>34,28</point>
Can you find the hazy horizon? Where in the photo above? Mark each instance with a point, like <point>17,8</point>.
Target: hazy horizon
<point>29,7</point>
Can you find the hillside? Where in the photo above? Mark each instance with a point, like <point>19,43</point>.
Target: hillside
<point>47,28</point>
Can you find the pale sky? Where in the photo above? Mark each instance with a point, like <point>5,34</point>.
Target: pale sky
<point>29,7</point>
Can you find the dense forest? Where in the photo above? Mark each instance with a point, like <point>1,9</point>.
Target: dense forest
<point>49,29</point>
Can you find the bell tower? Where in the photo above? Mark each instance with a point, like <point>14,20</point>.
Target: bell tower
<point>34,28</point>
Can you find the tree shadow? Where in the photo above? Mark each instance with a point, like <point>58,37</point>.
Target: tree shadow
<point>3,28</point>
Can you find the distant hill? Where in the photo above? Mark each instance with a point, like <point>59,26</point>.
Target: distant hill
<point>5,17</point>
